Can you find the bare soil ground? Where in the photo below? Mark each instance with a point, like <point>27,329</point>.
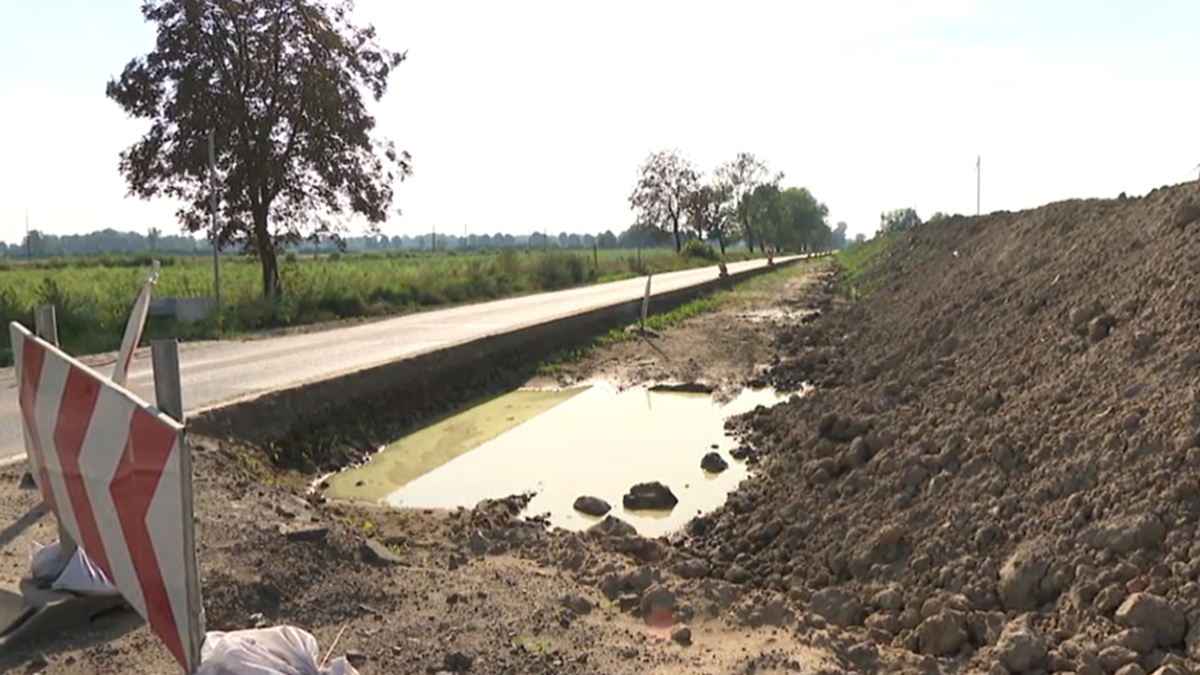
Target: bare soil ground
<point>1000,465</point>
<point>475,590</point>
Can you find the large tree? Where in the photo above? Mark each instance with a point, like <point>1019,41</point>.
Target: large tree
<point>740,177</point>
<point>710,214</point>
<point>283,87</point>
<point>765,212</point>
<point>804,220</point>
<point>665,182</point>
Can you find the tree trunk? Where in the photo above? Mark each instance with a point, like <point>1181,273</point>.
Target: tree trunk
<point>721,241</point>
<point>675,230</point>
<point>266,254</point>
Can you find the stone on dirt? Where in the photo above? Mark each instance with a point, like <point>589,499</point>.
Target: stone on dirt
<point>942,634</point>
<point>1185,215</point>
<point>692,568</point>
<point>577,603</point>
<point>838,606</point>
<point>478,543</point>
<point>1021,577</point>
<point>591,506</point>
<point>458,662</point>
<point>713,462</point>
<point>374,552</point>
<point>612,526</point>
<point>653,496</point>
<point>1145,610</point>
<point>295,531</point>
<point>1019,648</point>
<point>657,599</point>
<point>682,634</point>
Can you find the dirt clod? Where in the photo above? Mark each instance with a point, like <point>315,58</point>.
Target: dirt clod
<point>1144,610</point>
<point>1020,649</point>
<point>1186,214</point>
<point>682,634</point>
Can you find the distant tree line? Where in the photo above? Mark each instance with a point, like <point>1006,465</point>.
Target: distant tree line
<point>905,219</point>
<point>740,200</point>
<point>39,245</point>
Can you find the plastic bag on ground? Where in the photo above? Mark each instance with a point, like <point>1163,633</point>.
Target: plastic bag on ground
<point>280,650</point>
<point>79,575</point>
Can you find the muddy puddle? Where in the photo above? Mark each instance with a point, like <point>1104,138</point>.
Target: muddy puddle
<point>560,445</point>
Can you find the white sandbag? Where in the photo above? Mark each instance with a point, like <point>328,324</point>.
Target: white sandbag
<point>79,575</point>
<point>44,565</point>
<point>280,650</point>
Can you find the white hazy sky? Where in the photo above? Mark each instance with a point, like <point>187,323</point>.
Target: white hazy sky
<point>535,115</point>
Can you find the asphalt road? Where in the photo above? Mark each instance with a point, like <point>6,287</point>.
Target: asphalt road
<point>219,372</point>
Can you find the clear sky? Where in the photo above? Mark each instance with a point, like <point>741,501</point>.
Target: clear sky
<point>535,115</point>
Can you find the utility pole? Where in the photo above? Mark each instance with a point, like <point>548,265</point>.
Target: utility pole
<point>433,239</point>
<point>212,198</point>
<point>978,171</point>
<point>28,242</point>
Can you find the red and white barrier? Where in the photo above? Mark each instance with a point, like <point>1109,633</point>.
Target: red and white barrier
<point>113,469</point>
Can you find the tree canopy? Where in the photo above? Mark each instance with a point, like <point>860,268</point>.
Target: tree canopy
<point>283,89</point>
<point>666,182</point>
<point>741,200</point>
<point>899,220</point>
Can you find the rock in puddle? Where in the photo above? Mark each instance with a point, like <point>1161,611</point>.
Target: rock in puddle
<point>685,388</point>
<point>713,463</point>
<point>591,506</point>
<point>652,496</point>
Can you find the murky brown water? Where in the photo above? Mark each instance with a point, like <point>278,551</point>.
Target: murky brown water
<point>563,444</point>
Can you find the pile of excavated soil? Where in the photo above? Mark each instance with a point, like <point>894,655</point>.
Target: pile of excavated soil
<point>1000,466</point>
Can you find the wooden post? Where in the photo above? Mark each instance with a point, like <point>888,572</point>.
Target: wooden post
<point>168,395</point>
<point>646,301</point>
<point>45,326</point>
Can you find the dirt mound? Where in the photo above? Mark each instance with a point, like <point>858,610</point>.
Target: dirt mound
<point>1001,463</point>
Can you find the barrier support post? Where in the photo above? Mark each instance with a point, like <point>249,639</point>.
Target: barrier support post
<point>45,326</point>
<point>168,395</point>
<point>168,391</point>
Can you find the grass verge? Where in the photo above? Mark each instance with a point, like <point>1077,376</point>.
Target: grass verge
<point>765,283</point>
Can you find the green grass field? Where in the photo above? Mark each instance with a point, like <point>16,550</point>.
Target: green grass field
<point>92,296</point>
